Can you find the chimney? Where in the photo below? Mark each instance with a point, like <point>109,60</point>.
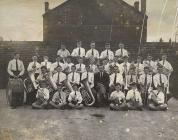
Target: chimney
<point>143,6</point>
<point>136,5</point>
<point>46,6</point>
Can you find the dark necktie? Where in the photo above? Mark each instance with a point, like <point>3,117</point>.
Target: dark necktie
<point>17,67</point>
<point>46,64</point>
<point>115,78</point>
<point>121,52</point>
<point>160,78</point>
<point>92,53</point>
<point>79,52</point>
<point>73,77</point>
<point>87,75</point>
<point>131,78</point>
<point>100,75</point>
<point>58,78</point>
<point>107,52</point>
<point>163,62</point>
<point>145,80</point>
<point>134,95</point>
<point>75,93</point>
<point>58,64</point>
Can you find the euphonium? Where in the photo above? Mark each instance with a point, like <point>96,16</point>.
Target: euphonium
<point>87,94</point>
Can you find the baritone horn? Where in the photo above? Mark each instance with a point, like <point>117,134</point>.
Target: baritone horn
<point>87,94</point>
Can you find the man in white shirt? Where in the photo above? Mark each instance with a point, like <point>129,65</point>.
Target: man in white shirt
<point>74,77</point>
<point>34,70</point>
<point>79,51</point>
<point>59,77</point>
<point>121,51</point>
<point>117,99</point>
<point>63,52</point>
<point>93,66</point>
<point>160,78</point>
<point>56,64</point>
<point>133,98</point>
<point>150,63</point>
<point>80,67</point>
<point>16,67</point>
<point>107,53</point>
<point>46,63</point>
<point>92,52</point>
<point>67,65</point>
<point>167,67</point>
<point>139,66</point>
<point>89,76</point>
<point>125,66</point>
<point>116,77</point>
<point>75,98</point>
<point>157,99</point>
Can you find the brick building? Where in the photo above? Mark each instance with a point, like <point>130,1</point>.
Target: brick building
<point>99,20</point>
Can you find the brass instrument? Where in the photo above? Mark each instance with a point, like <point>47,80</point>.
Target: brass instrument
<point>87,94</point>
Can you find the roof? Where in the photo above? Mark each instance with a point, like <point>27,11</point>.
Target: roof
<point>116,1</point>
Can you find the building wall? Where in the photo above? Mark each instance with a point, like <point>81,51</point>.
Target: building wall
<point>88,20</point>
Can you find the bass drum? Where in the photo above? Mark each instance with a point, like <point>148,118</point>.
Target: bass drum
<point>15,92</point>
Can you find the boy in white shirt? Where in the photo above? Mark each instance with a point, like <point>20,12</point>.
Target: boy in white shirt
<point>107,53</point>
<point>75,98</point>
<point>157,99</point>
<point>59,100</point>
<point>78,51</point>
<point>34,70</point>
<point>117,99</point>
<point>133,98</point>
<point>42,96</point>
<point>92,52</point>
<point>74,77</point>
<point>46,63</point>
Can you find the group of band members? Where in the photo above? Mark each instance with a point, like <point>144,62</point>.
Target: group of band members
<point>109,78</point>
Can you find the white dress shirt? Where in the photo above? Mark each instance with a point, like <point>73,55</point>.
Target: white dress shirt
<point>90,78</point>
<point>159,96</point>
<point>92,53</point>
<point>167,65</point>
<point>136,96</point>
<point>117,95</point>
<point>152,64</point>
<point>81,67</point>
<point>157,80</point>
<point>121,52</point>
<point>76,52</point>
<point>123,68</point>
<point>44,92</point>
<point>131,78</point>
<point>94,68</point>
<point>74,77</point>
<point>31,65</point>
<point>55,65</point>
<point>107,54</point>
<point>12,67</point>
<point>47,64</point>
<point>63,53</point>
<point>75,96</point>
<point>139,68</point>
<point>59,77</point>
<point>68,66</point>
<point>119,79</point>
<point>143,78</point>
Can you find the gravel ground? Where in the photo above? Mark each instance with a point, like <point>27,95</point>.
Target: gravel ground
<point>24,123</point>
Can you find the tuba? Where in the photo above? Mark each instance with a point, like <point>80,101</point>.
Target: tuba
<point>87,94</point>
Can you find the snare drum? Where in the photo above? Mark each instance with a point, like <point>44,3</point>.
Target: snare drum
<point>15,92</point>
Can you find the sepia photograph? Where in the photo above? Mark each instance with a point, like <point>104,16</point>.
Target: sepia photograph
<point>88,69</point>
